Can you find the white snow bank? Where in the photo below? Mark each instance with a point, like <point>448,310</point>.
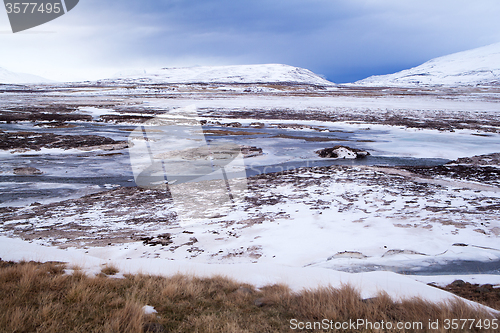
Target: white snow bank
<point>298,278</point>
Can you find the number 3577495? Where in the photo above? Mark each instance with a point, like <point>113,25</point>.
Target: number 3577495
<point>32,8</point>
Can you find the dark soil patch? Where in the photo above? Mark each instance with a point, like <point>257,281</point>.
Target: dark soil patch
<point>55,124</point>
<point>139,204</point>
<point>36,141</point>
<point>485,294</point>
<point>485,122</point>
<point>483,174</point>
<point>57,114</point>
<point>489,159</point>
<point>125,118</point>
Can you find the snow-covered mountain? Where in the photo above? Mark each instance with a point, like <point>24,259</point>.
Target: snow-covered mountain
<point>8,77</point>
<point>472,67</point>
<point>269,73</point>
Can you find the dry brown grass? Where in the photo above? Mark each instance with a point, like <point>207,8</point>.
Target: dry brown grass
<point>41,298</point>
<point>109,270</point>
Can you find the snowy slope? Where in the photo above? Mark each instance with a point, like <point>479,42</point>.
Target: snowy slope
<point>472,67</point>
<point>270,73</point>
<point>369,284</point>
<point>8,77</point>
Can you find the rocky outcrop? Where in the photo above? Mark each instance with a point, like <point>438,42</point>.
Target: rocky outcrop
<point>251,151</point>
<point>27,171</point>
<point>342,152</point>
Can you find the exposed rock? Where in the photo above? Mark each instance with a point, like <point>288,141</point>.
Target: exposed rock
<point>482,289</point>
<point>251,151</point>
<point>300,127</point>
<point>257,125</point>
<point>233,124</point>
<point>342,152</point>
<point>27,171</point>
<point>348,254</point>
<point>163,240</point>
<point>481,231</point>
<point>489,159</point>
<point>458,283</point>
<point>394,252</point>
<point>117,118</point>
<point>112,146</point>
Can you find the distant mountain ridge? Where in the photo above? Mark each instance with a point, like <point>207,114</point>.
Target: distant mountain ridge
<point>269,73</point>
<point>8,77</point>
<point>480,66</point>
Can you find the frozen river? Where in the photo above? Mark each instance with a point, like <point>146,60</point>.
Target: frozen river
<point>72,173</point>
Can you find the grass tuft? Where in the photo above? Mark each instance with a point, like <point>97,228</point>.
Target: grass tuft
<point>109,270</point>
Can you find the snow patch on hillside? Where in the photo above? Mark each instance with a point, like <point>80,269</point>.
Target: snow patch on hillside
<point>8,77</point>
<point>477,66</point>
<point>269,73</point>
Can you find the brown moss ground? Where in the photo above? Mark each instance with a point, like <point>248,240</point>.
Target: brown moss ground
<point>485,294</point>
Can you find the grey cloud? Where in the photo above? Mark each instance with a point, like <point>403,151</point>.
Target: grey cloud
<point>343,39</point>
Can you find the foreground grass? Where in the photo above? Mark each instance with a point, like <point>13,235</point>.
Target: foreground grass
<point>41,298</point>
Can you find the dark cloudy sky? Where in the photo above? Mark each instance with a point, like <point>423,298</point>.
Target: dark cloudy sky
<point>344,40</point>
